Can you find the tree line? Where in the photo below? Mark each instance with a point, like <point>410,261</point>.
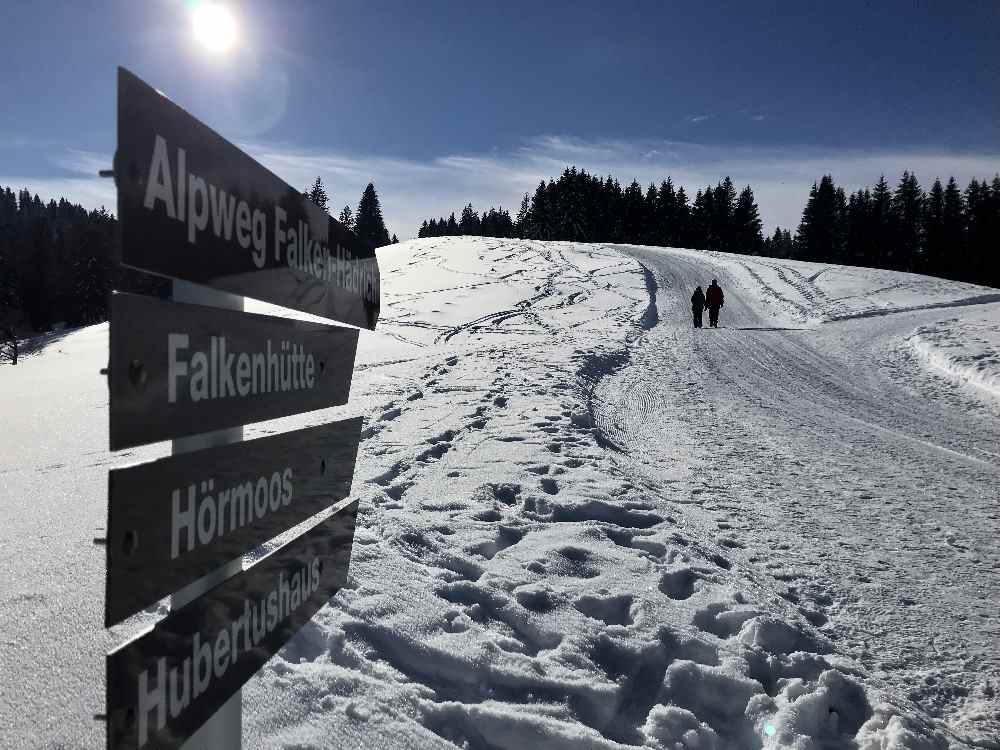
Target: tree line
<point>582,207</point>
<point>57,259</point>
<point>57,263</point>
<point>943,232</point>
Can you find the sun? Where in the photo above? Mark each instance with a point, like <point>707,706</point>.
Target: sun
<point>214,26</point>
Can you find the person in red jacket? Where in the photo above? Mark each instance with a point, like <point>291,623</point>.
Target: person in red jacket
<point>714,299</point>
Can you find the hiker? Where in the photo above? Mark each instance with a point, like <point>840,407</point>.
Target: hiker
<point>698,306</point>
<point>714,299</point>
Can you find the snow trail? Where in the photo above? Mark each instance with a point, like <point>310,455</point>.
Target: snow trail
<point>582,523</point>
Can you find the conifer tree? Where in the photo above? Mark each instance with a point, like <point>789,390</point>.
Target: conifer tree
<point>682,219</point>
<point>370,227</point>
<point>746,225</point>
<point>470,223</point>
<point>394,241</point>
<point>933,230</point>
<point>317,194</point>
<point>908,208</point>
<point>953,230</point>
<point>451,228</point>
<point>666,208</point>
<point>521,222</point>
<point>882,227</point>
<point>821,231</point>
<point>347,217</point>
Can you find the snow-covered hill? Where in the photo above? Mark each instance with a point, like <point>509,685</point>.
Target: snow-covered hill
<point>584,524</point>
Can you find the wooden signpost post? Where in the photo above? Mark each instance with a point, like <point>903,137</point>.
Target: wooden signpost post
<point>193,207</point>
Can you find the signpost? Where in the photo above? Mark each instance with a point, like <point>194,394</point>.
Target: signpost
<point>194,208</point>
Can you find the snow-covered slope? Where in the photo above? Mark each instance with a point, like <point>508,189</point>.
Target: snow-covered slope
<point>584,524</point>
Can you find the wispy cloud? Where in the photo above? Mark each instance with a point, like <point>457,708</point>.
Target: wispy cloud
<point>698,118</point>
<point>413,190</point>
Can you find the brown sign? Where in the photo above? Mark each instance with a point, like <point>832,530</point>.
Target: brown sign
<point>192,206</point>
<point>168,682</point>
<point>178,370</point>
<point>172,521</point>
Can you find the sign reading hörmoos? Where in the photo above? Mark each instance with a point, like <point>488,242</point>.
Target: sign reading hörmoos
<point>178,369</point>
<point>168,682</point>
<point>174,520</point>
<point>192,206</point>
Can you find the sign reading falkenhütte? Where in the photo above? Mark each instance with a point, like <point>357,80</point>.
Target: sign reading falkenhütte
<point>178,369</point>
<point>193,206</point>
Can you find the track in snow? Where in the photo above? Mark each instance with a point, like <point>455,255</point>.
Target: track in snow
<point>826,465</point>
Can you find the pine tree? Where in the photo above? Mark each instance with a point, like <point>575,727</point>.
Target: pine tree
<point>523,218</point>
<point>394,240</point>
<point>649,234</point>
<point>347,217</point>
<point>699,235</point>
<point>317,194</point>
<point>470,223</point>
<point>451,228</point>
<point>992,230</point>
<point>954,231</point>
<point>370,227</point>
<point>908,209</point>
<point>665,223</point>
<point>722,205</point>
<point>682,219</point>
<point>746,225</point>
<point>882,227</point>
<point>821,234</point>
<point>933,231</point>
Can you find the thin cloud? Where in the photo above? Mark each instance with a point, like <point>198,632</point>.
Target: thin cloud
<point>414,190</point>
<point>698,118</point>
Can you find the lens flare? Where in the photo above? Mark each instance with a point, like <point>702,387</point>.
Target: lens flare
<point>214,26</point>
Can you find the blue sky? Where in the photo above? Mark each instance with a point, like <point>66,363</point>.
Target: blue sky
<point>444,102</point>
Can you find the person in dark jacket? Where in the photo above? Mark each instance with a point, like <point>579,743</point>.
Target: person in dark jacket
<point>698,306</point>
<point>715,300</point>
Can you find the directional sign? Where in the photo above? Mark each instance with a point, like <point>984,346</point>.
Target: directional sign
<point>192,206</point>
<point>172,521</point>
<point>167,683</point>
<point>178,369</point>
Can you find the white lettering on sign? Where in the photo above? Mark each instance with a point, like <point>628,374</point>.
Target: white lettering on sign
<point>221,374</point>
<point>208,515</point>
<point>174,689</point>
<point>204,207</point>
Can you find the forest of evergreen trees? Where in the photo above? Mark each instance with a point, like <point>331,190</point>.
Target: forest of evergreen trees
<point>57,263</point>
<point>57,259</point>
<point>943,232</point>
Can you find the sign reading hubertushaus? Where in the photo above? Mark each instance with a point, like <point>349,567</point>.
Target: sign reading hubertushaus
<point>192,206</point>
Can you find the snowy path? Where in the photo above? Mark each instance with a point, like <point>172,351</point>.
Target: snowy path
<point>840,470</point>
<point>582,524</point>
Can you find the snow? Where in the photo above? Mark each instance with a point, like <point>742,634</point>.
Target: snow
<point>584,524</point>
<point>965,349</point>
